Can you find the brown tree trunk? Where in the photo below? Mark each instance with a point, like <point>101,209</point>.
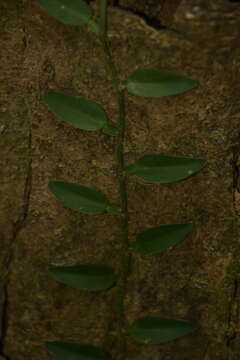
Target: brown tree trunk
<point>199,278</point>
<point>159,13</point>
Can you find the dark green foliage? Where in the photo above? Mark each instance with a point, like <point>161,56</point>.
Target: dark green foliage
<point>85,276</point>
<point>82,113</point>
<point>158,330</point>
<point>160,238</point>
<point>88,115</point>
<point>164,169</point>
<point>64,350</point>
<point>74,12</point>
<point>156,83</point>
<point>88,200</point>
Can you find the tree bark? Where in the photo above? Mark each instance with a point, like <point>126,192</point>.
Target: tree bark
<point>199,278</point>
<point>159,13</point>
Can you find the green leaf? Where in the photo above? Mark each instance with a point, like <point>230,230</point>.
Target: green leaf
<point>110,129</point>
<point>92,277</point>
<point>160,238</point>
<point>87,200</point>
<point>157,330</point>
<point>164,169</point>
<point>82,113</point>
<point>156,83</point>
<point>94,26</point>
<point>67,350</point>
<point>74,12</point>
<point>112,208</point>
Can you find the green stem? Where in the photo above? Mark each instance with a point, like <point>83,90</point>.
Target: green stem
<point>103,17</point>
<point>122,186</point>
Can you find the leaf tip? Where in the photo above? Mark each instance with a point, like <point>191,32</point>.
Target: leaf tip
<point>51,185</point>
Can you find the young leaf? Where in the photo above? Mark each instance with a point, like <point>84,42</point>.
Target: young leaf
<point>157,330</point>
<point>82,113</point>
<point>92,277</point>
<point>160,238</point>
<point>164,169</point>
<point>156,83</point>
<point>88,200</point>
<point>67,350</point>
<point>74,12</point>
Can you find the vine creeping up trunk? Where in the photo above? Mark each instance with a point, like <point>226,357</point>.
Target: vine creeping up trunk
<point>154,168</point>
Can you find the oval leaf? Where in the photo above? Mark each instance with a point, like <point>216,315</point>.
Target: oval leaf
<point>74,12</point>
<point>157,330</point>
<point>93,277</point>
<point>88,200</point>
<point>160,238</point>
<point>82,113</point>
<point>156,83</point>
<point>164,169</point>
<point>66,350</point>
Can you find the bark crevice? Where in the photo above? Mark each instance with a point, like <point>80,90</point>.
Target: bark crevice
<point>233,316</point>
<point>16,228</point>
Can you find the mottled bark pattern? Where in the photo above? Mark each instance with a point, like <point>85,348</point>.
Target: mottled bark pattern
<point>158,12</point>
<point>199,278</point>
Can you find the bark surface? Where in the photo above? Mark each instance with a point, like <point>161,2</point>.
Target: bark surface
<point>199,278</point>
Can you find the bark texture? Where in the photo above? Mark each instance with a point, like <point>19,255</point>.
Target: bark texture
<point>158,13</point>
<point>199,278</point>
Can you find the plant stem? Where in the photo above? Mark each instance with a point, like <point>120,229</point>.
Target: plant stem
<point>103,17</point>
<point>122,186</point>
